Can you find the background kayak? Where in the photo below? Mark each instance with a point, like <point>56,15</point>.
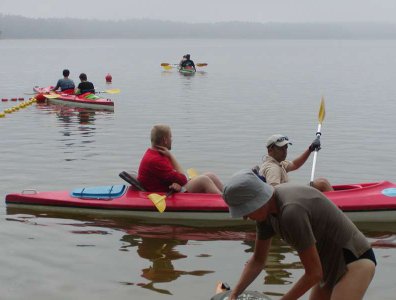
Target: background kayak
<point>75,100</point>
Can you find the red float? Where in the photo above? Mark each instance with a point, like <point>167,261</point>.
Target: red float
<point>108,78</point>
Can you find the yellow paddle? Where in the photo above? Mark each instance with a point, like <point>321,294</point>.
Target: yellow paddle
<point>160,200</point>
<point>51,96</point>
<point>167,67</point>
<point>321,116</point>
<point>170,65</point>
<point>191,173</point>
<point>111,91</point>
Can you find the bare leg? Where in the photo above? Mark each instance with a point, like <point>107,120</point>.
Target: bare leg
<point>216,180</point>
<point>202,184</point>
<point>323,185</point>
<point>318,293</point>
<point>354,283</point>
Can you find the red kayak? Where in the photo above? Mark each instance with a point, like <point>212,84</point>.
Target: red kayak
<point>87,100</point>
<point>365,202</point>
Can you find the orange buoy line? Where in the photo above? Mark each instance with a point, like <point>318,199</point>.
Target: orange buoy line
<point>17,107</point>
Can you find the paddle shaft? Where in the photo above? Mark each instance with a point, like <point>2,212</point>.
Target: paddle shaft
<point>318,134</point>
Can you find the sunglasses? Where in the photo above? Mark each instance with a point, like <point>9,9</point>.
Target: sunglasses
<point>281,139</point>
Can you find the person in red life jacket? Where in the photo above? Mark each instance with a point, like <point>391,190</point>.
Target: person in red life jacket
<point>65,84</point>
<point>159,171</point>
<point>187,63</point>
<point>85,86</point>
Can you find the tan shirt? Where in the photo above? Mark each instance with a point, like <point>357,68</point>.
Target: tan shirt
<point>306,217</point>
<point>274,172</point>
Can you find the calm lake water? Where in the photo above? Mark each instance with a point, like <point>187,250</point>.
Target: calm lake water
<point>221,118</point>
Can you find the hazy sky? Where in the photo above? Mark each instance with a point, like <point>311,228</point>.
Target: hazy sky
<point>208,10</point>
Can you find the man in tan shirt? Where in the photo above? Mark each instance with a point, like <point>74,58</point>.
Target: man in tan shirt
<point>275,166</point>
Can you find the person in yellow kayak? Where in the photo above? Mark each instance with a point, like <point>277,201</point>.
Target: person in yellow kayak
<point>85,86</point>
<point>275,166</point>
<point>65,84</point>
<point>159,171</point>
<point>338,260</point>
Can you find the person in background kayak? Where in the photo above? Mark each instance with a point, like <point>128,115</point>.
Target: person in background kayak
<point>338,261</point>
<point>275,166</point>
<point>182,60</point>
<point>188,63</point>
<point>85,86</point>
<point>159,171</point>
<point>65,84</point>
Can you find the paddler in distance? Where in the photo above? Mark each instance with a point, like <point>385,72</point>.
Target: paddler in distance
<point>65,84</point>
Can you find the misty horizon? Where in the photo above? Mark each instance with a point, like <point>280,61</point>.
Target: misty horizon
<point>19,27</point>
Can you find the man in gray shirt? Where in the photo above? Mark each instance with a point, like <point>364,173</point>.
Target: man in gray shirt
<point>338,260</point>
<point>65,84</point>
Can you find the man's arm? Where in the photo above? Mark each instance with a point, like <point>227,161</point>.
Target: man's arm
<point>313,273</point>
<point>299,161</point>
<point>57,86</point>
<point>172,172</point>
<point>253,268</point>
<point>165,151</point>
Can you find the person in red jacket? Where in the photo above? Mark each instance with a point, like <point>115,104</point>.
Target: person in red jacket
<point>159,171</point>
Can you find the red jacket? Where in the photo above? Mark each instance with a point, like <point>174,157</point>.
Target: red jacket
<point>156,172</point>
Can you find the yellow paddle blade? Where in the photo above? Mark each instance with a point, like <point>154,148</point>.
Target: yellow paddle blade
<point>51,96</point>
<point>202,64</point>
<point>191,173</point>
<point>167,67</point>
<point>113,91</point>
<point>164,64</point>
<point>158,201</point>
<point>322,111</point>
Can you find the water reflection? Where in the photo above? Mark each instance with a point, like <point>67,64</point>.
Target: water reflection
<point>68,116</point>
<point>160,246</point>
<point>77,125</point>
<point>160,252</point>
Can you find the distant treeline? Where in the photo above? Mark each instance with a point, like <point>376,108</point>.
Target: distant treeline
<point>17,27</point>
